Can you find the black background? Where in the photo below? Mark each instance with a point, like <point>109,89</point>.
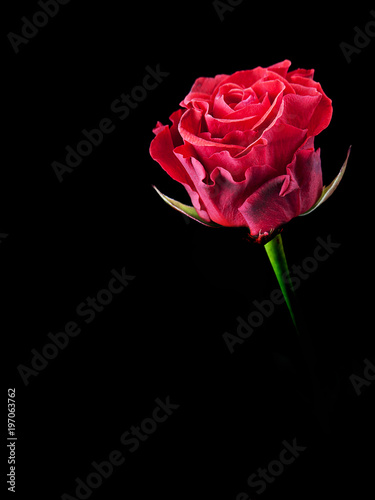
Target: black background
<point>163,335</point>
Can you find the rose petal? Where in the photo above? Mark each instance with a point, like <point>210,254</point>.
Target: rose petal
<point>175,119</point>
<point>305,175</point>
<point>245,78</point>
<point>304,73</point>
<point>265,210</point>
<point>161,150</point>
<point>327,191</point>
<point>323,112</point>
<point>222,198</point>
<point>272,88</point>
<point>280,68</point>
<point>190,130</point>
<point>299,111</point>
<point>202,88</point>
<point>219,127</point>
<point>273,204</point>
<point>279,143</point>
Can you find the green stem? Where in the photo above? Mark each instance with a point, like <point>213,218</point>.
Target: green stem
<point>276,255</point>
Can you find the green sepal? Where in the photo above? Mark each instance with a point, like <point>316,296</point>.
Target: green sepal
<point>185,209</point>
<point>329,190</point>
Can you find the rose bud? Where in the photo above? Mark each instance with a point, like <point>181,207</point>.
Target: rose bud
<point>242,145</point>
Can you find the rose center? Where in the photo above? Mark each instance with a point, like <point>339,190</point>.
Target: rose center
<point>233,97</point>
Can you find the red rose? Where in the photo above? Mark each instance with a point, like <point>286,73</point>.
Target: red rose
<point>243,147</point>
